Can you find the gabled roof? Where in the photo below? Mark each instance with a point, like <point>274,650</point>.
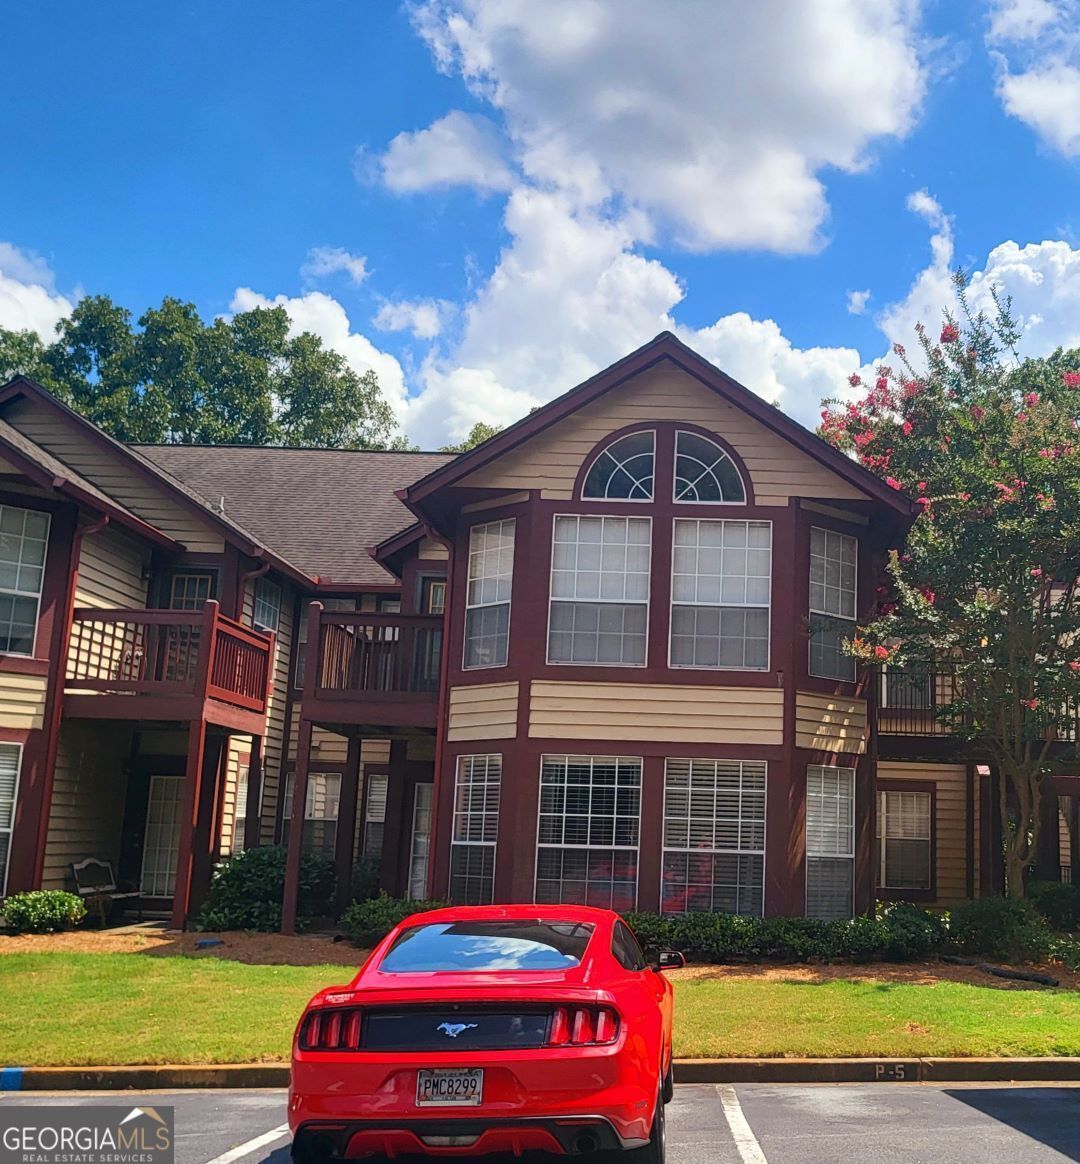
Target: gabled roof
<point>665,346</point>
<point>321,508</point>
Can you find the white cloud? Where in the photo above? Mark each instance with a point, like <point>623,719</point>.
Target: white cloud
<point>457,150</point>
<point>425,318</point>
<point>28,298</point>
<point>717,123</point>
<point>325,317</point>
<point>1036,47</point>
<point>857,301</point>
<point>323,261</point>
<point>932,290</point>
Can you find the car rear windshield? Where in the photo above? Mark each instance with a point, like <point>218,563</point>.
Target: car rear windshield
<point>487,945</point>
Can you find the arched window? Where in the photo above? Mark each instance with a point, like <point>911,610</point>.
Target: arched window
<point>704,472</point>
<point>624,470</point>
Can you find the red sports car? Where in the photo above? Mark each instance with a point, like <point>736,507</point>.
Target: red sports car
<point>489,1029</point>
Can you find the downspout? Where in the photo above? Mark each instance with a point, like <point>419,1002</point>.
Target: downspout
<point>56,710</point>
<point>259,572</point>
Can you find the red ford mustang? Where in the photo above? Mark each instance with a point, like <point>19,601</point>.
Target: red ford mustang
<point>489,1029</point>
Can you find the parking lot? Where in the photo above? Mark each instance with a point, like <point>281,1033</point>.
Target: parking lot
<point>746,1124</point>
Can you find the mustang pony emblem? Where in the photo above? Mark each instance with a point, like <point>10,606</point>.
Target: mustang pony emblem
<point>455,1029</point>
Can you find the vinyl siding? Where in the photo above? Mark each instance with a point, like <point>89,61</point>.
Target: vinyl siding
<point>111,572</point>
<point>431,550</point>
<point>114,473</point>
<point>239,749</point>
<point>660,712</point>
<point>951,821</point>
<point>550,461</point>
<point>22,701</point>
<point>483,711</point>
<point>827,723</point>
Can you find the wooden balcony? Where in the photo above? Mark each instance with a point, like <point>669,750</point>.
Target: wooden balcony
<point>380,670</point>
<point>169,665</point>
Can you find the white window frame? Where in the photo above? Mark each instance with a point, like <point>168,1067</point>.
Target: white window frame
<point>382,781</point>
<point>36,596</point>
<point>414,855</point>
<point>848,855</point>
<point>613,848</point>
<point>469,606</point>
<point>258,599</point>
<point>185,576</point>
<point>853,618</point>
<point>767,607</point>
<point>665,848</point>
<point>674,472</point>
<point>9,829</point>
<point>647,603</point>
<point>883,837</point>
<point>622,500</point>
<point>456,815</point>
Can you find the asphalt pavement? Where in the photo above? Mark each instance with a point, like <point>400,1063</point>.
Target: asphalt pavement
<point>881,1123</point>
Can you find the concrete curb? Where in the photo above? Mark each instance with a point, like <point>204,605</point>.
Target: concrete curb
<point>254,1075</point>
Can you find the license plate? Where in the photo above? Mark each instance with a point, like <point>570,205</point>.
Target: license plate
<point>450,1087</point>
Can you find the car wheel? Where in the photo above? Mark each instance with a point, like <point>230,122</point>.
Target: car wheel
<point>655,1150</point>
<point>668,1091</point>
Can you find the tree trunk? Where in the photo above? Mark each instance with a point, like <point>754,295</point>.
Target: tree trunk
<point>1015,868</point>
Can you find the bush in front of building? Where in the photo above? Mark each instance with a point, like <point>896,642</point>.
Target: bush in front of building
<point>247,891</point>
<point>367,922</point>
<point>1001,928</point>
<point>42,911</point>
<point>1058,902</point>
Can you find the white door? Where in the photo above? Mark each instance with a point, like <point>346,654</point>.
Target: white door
<point>421,840</point>
<point>161,843</point>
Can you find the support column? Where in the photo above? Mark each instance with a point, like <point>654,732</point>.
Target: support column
<point>346,826</point>
<point>296,828</point>
<point>207,837</point>
<point>196,746</point>
<point>395,826</point>
<point>1048,855</point>
<point>253,815</point>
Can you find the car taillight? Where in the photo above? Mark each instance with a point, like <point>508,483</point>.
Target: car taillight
<point>331,1030</point>
<point>582,1026</point>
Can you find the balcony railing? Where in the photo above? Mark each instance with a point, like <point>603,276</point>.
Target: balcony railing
<point>169,652</point>
<point>365,655</point>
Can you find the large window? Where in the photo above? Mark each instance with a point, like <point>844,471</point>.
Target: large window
<point>320,812</point>
<point>832,602</point>
<point>9,790</point>
<point>375,789</point>
<point>190,591</point>
<point>487,602</point>
<point>721,577</point>
<point>624,470</point>
<point>587,836</point>
<point>599,590</point>
<point>24,538</point>
<point>714,836</point>
<point>904,844</point>
<point>830,841</point>
<point>266,614</point>
<point>476,829</point>
<point>704,472</point>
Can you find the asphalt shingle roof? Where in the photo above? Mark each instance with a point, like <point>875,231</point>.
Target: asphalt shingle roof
<point>318,508</point>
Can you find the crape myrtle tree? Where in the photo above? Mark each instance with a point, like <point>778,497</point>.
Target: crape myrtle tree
<point>986,584</point>
<point>175,378</point>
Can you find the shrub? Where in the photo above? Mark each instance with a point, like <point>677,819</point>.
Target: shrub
<point>247,891</point>
<point>912,934</point>
<point>365,879</point>
<point>1058,902</point>
<point>367,922</point>
<point>1001,927</point>
<point>42,911</point>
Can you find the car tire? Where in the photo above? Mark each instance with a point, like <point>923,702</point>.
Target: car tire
<point>310,1150</point>
<point>655,1151</point>
<point>667,1092</point>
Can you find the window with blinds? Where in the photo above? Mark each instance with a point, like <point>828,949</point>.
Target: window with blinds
<point>714,836</point>
<point>830,841</point>
<point>24,539</point>
<point>475,829</point>
<point>833,560</point>
<point>587,836</point>
<point>374,816</point>
<point>10,756</point>
<point>487,598</point>
<point>320,812</point>
<point>904,840</point>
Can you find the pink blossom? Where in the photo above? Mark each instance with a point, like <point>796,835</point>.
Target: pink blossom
<point>1021,417</point>
<point>854,379</point>
<point>1031,398</point>
<point>921,486</point>
<point>1036,571</point>
<point>881,652</point>
<point>898,349</point>
<point>928,594</point>
<point>893,483</point>
<point>907,426</point>
<point>949,334</point>
<point>881,384</point>
<point>965,496</point>
<point>1030,704</point>
<point>1074,665</point>
<point>922,500</point>
<point>1072,379</point>
<point>1046,452</point>
<point>977,413</point>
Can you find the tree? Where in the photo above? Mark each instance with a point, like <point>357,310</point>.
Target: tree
<point>987,582</point>
<point>479,433</point>
<point>174,378</point>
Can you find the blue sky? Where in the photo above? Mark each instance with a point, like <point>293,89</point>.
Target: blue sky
<point>487,200</point>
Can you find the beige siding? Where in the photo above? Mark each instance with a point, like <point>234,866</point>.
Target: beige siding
<point>431,550</point>
<point>112,572</point>
<point>829,723</point>
<point>88,798</point>
<point>662,712</point>
<point>113,472</point>
<point>550,462</point>
<point>484,711</point>
<point>22,701</point>
<point>951,821</point>
<point>239,752</point>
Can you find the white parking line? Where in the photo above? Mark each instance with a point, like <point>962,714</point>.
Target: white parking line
<point>250,1146</point>
<point>745,1140</point>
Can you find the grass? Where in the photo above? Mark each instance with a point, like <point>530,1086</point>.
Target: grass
<point>85,1009</point>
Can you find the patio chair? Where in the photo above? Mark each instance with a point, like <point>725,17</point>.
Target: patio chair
<point>96,884</point>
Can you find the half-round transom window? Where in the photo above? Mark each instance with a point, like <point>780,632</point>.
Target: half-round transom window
<point>704,472</point>
<point>624,470</point>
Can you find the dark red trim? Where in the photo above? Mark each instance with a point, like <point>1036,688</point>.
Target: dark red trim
<point>884,784</point>
<point>24,665</point>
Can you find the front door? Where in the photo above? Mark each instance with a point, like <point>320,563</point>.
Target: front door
<point>161,844</point>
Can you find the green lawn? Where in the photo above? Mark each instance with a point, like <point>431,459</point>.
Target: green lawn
<point>129,1008</point>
